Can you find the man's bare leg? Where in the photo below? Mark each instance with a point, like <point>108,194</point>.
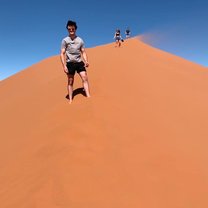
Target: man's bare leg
<point>85,82</point>
<point>70,87</point>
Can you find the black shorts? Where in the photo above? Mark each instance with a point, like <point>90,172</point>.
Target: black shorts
<point>74,67</point>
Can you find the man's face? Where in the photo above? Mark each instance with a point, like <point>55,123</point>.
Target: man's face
<point>71,30</point>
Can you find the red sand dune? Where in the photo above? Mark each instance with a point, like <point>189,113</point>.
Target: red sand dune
<point>140,141</point>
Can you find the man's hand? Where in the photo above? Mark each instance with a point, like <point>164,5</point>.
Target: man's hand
<point>65,70</point>
<point>86,64</point>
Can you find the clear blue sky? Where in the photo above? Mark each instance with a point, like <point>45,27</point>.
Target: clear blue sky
<point>32,30</point>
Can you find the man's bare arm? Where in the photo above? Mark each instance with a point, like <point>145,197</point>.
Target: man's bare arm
<point>84,55</point>
<point>63,59</point>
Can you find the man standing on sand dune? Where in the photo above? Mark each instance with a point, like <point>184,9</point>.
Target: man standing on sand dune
<point>74,59</point>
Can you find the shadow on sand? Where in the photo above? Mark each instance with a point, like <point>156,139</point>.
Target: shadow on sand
<point>77,92</point>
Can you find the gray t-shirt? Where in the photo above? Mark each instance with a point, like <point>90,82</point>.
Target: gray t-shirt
<point>73,48</point>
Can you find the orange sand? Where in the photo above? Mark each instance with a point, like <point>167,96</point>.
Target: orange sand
<point>140,141</point>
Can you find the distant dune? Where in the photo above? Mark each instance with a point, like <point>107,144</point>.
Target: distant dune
<point>140,141</point>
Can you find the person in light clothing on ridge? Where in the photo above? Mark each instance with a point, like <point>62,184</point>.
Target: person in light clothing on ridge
<point>74,59</point>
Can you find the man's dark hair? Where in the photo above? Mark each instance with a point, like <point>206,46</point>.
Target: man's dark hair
<point>71,23</point>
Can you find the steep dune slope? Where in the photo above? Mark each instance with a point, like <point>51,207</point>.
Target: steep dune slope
<point>139,141</point>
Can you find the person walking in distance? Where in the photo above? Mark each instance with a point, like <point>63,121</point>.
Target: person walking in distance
<point>117,37</point>
<point>74,59</point>
<point>127,32</point>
